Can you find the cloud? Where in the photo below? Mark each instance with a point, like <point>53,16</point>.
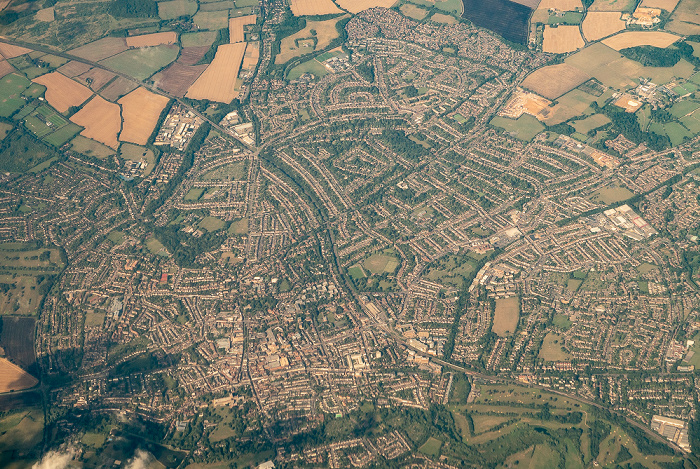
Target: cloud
<point>140,461</point>
<point>55,460</point>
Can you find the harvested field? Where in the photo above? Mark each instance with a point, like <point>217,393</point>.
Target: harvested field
<point>195,40</point>
<point>211,20</point>
<point>600,24</point>
<point>292,46</point>
<point>562,39</point>
<point>90,148</point>
<point>613,5</point>
<point>62,92</point>
<point>96,78</point>
<point>101,49</point>
<point>627,39</point>
<point>73,68</point>
<point>315,7</point>
<point>178,78</point>
<point>561,5</point>
<point>668,5</point>
<point>10,52</point>
<point>505,318</point>
<point>142,63</point>
<point>218,81</point>
<point>118,88</point>
<point>444,19</point>
<point>46,14</point>
<point>413,11</point>
<point>356,6</point>
<point>192,55</point>
<point>140,111</point>
<point>555,80</point>
<point>236,30</point>
<point>14,378</point>
<point>5,68</point>
<point>251,57</point>
<point>686,18</point>
<point>102,121</point>
<point>176,8</point>
<point>150,40</point>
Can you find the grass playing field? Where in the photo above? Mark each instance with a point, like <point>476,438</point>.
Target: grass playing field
<point>506,315</point>
<point>524,128</point>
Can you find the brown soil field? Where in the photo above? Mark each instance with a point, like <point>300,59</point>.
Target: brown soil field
<point>235,27</point>
<point>191,55</point>
<point>612,5</point>
<point>62,92</point>
<point>140,111</point>
<point>102,121</point>
<point>150,40</point>
<point>505,318</point>
<point>313,7</point>
<point>325,33</point>
<point>97,78</point>
<point>9,51</point>
<point>640,38</point>
<point>101,49</point>
<point>562,39</point>
<point>178,78</point>
<point>5,68</point>
<point>356,6</point>
<point>17,338</point>
<point>628,103</point>
<point>445,19</point>
<point>218,81</point>
<point>686,18</point>
<point>14,378</point>
<point>600,24</point>
<point>251,57</point>
<point>554,80</point>
<point>668,5</point>
<point>561,5</point>
<point>73,68</point>
<point>118,88</point>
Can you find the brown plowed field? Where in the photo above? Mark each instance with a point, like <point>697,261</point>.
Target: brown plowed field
<point>9,51</point>
<point>101,49</point>
<point>600,24</point>
<point>150,40</point>
<point>14,378</point>
<point>73,68</point>
<point>98,77</point>
<point>218,81</point>
<point>62,92</point>
<point>554,80</point>
<point>178,78</point>
<point>140,111</point>
<point>314,7</point>
<point>5,68</point>
<point>192,55</point>
<point>102,121</point>
<point>235,27</point>
<point>118,88</point>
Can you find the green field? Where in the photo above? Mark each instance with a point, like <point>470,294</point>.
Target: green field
<point>380,263</point>
<point>569,17</point>
<point>229,172</point>
<point>142,63</point>
<point>452,269</point>
<point>211,224</point>
<point>590,123</point>
<point>561,321</point>
<point>63,135</point>
<point>553,348</point>
<point>11,88</point>
<point>200,39</point>
<point>211,20</point>
<point>356,272</point>
<point>176,8</point>
<point>611,194</point>
<point>450,6</point>
<point>132,152</point>
<point>431,447</point>
<point>310,66</point>
<point>155,246</point>
<point>194,194</point>
<point>239,227</point>
<point>524,128</point>
<point>90,147</point>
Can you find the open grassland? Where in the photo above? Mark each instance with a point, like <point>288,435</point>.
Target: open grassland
<point>211,224</point>
<point>450,6</point>
<point>505,318</point>
<point>553,348</point>
<point>20,295</point>
<point>218,6</point>
<point>303,41</point>
<point>236,27</point>
<point>200,39</point>
<point>431,447</point>
<point>312,66</point>
<point>613,5</point>
<point>555,80</point>
<point>627,39</point>
<point>62,92</point>
<point>11,88</point>
<point>140,111</point>
<point>562,39</point>
<point>142,63</point>
<point>524,128</point>
<point>380,263</point>
<point>29,261</point>
<point>211,20</point>
<point>101,49</point>
<point>356,6</point>
<point>21,431</point>
<point>90,147</point>
<point>313,7</point>
<point>572,104</point>
<point>151,40</point>
<point>686,18</point>
<point>590,123</point>
<point>218,81</point>
<point>600,24</point>
<point>176,8</point>
<point>413,11</point>
<point>101,120</point>
<point>14,378</point>
<point>444,19</point>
